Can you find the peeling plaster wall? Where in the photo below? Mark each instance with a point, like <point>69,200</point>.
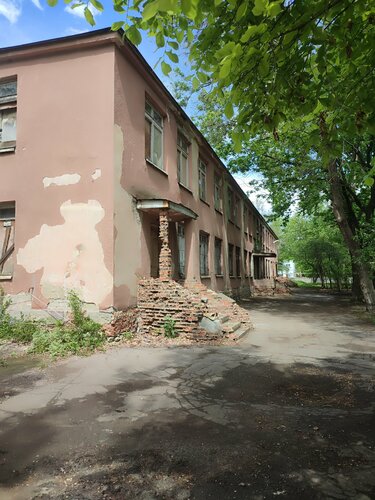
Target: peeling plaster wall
<point>61,175</point>
<point>127,244</point>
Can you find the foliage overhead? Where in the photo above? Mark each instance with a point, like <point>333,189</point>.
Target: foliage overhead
<point>279,61</point>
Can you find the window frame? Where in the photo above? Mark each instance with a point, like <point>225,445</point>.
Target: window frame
<point>202,173</point>
<point>218,192</point>
<point>204,242</point>
<point>218,261</point>
<point>150,117</point>
<point>180,230</point>
<point>183,153</point>
<point>231,260</point>
<point>238,261</point>
<point>8,106</point>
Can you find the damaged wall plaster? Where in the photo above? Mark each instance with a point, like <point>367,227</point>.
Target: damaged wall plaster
<point>78,263</point>
<point>96,174</point>
<point>126,219</point>
<point>61,180</point>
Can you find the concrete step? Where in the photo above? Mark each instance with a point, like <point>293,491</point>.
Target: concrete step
<point>241,332</point>
<point>231,326</point>
<point>223,318</point>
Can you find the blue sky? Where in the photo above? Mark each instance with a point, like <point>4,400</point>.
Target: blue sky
<point>25,21</point>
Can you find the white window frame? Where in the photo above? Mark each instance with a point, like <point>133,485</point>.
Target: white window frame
<point>153,117</point>
<point>8,105</point>
<point>182,154</point>
<point>202,179</point>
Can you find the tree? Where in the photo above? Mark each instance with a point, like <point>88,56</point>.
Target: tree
<point>316,246</point>
<point>279,66</point>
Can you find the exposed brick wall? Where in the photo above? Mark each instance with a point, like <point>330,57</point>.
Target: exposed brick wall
<point>165,258</point>
<point>159,298</point>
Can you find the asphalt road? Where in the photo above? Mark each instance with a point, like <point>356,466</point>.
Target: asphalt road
<point>288,413</point>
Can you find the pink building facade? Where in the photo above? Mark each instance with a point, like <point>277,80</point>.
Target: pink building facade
<point>93,150</point>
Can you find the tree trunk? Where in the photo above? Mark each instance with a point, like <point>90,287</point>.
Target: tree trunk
<point>356,287</point>
<point>338,207</point>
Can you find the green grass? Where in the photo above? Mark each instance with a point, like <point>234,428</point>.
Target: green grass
<point>79,335</point>
<point>303,284</point>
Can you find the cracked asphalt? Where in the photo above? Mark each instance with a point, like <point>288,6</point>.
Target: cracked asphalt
<point>287,413</point>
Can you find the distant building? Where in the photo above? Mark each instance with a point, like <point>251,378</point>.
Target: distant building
<point>94,152</point>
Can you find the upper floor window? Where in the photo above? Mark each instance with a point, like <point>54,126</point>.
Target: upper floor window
<point>8,109</point>
<point>217,192</point>
<point>202,180</point>
<point>203,253</point>
<point>154,136</point>
<point>236,206</point>
<point>182,160</point>
<point>230,203</point>
<point>245,218</point>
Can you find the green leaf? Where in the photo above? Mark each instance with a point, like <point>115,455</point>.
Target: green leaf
<point>88,16</point>
<point>186,6</point>
<point>260,7</point>
<point>241,11</point>
<point>274,9</point>
<point>166,69</point>
<point>369,181</point>
<point>195,83</point>
<point>134,35</point>
<point>174,45</point>
<point>202,76</point>
<point>264,67</point>
<point>117,26</point>
<point>225,68</point>
<point>172,56</point>
<point>52,3</point>
<point>228,110</point>
<point>150,10</point>
<point>160,42</point>
<point>98,5</point>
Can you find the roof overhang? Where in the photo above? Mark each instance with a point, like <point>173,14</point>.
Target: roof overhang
<point>176,211</point>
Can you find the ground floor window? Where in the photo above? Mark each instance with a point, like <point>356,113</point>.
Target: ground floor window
<point>203,253</point>
<point>181,250</point>
<point>7,229</point>
<point>218,246</point>
<point>238,261</point>
<point>230,260</point>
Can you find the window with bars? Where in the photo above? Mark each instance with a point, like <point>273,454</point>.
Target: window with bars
<point>8,112</point>
<point>202,179</point>
<point>153,136</point>
<point>203,253</point>
<point>182,160</point>
<point>218,258</point>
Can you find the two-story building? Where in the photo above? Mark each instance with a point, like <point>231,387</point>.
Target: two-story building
<point>93,149</point>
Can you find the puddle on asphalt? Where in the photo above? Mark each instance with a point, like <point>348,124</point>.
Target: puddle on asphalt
<point>17,365</point>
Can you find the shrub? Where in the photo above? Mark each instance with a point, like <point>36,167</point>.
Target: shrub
<point>169,328</point>
<point>80,335</point>
<point>127,335</point>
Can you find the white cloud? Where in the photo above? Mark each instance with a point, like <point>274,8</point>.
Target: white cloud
<point>74,31</point>
<point>37,4</point>
<point>79,11</point>
<point>11,9</point>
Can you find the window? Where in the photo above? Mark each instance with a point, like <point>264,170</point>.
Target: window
<point>238,261</point>
<point>230,203</point>
<point>217,192</point>
<point>218,246</point>
<point>8,109</point>
<point>154,136</point>
<point>230,259</point>
<point>202,180</point>
<point>236,206</point>
<point>203,253</point>
<point>181,250</point>
<point>7,228</point>
<point>245,219</point>
<point>182,160</point>
<point>246,263</point>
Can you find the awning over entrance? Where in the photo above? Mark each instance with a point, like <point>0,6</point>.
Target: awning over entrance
<point>176,212</point>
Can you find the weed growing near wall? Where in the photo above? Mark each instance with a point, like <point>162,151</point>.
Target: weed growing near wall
<point>170,328</point>
<point>79,335</point>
